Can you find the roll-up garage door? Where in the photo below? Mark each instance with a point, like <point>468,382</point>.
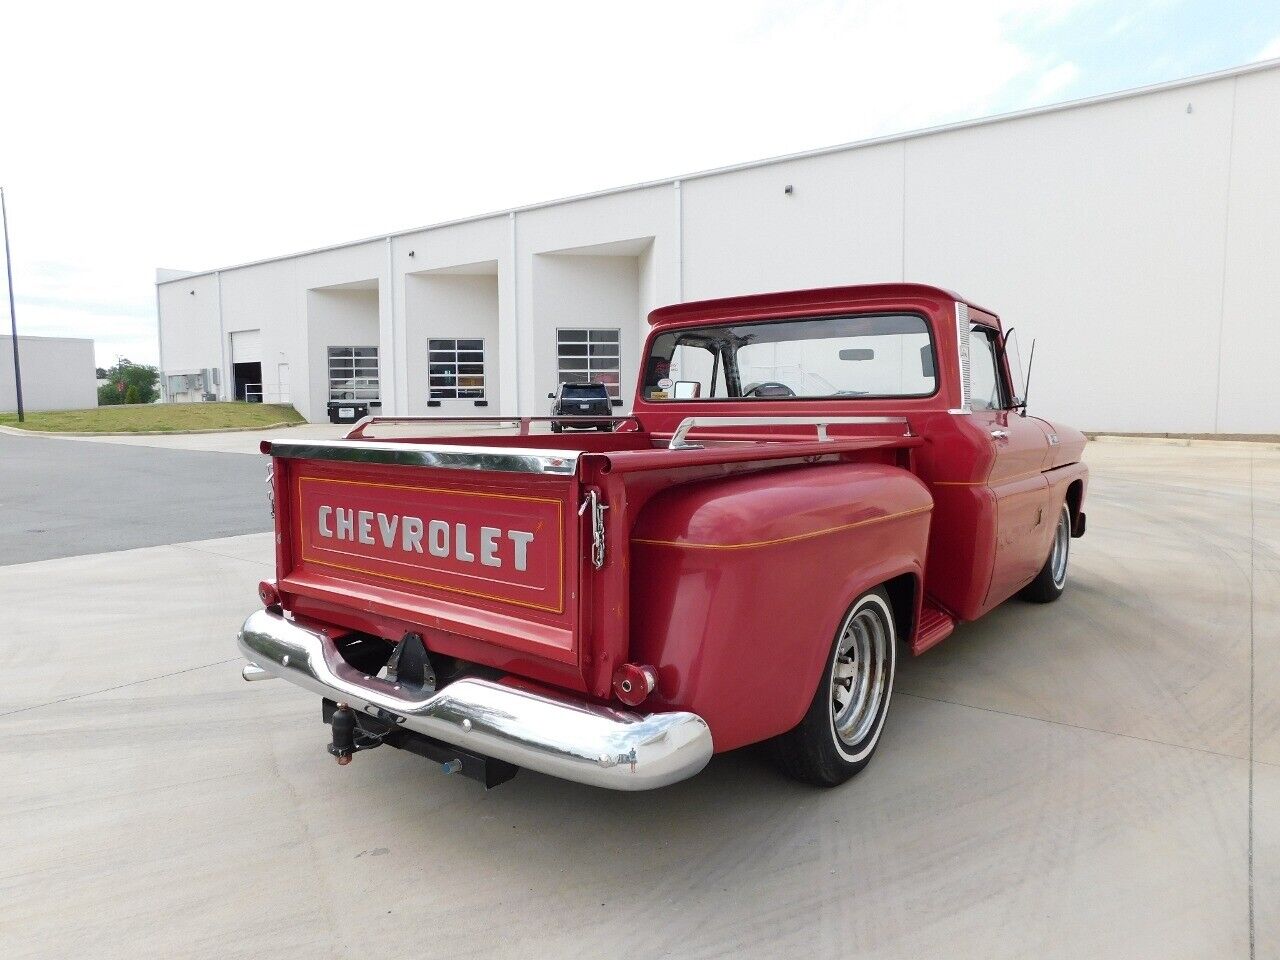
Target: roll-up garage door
<point>246,346</point>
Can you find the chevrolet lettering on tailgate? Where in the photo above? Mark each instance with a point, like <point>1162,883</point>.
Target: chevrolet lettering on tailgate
<point>497,546</point>
<point>358,526</point>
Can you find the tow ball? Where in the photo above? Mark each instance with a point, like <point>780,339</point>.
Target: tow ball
<point>344,728</point>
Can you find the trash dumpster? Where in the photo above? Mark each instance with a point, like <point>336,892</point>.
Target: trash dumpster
<point>348,411</point>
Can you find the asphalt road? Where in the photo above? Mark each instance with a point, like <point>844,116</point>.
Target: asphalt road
<point>1094,778</point>
<point>63,498</point>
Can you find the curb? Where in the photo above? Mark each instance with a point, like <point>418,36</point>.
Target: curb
<point>15,431</point>
<point>1174,441</point>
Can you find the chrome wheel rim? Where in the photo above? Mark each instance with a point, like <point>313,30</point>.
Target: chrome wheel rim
<point>861,673</point>
<point>1061,546</point>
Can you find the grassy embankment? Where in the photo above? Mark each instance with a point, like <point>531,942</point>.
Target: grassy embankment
<point>156,417</point>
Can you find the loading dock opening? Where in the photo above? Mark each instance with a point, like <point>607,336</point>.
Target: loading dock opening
<point>248,381</point>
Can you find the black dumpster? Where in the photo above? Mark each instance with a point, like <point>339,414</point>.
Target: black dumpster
<point>348,411</point>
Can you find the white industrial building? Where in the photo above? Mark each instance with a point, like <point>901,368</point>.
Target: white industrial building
<point>1135,236</point>
<point>57,374</point>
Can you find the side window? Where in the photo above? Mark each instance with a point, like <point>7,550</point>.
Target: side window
<point>985,387</point>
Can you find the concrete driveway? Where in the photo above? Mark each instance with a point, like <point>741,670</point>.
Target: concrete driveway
<point>1095,778</point>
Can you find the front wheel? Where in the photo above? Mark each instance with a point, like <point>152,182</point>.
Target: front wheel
<point>840,731</point>
<point>1052,578</point>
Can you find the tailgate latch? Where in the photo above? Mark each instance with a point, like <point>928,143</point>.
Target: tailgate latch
<point>597,509</point>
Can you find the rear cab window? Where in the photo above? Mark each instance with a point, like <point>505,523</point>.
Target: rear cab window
<point>880,355</point>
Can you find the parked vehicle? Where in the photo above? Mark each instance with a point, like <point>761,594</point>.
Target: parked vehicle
<point>574,404</point>
<point>811,484</point>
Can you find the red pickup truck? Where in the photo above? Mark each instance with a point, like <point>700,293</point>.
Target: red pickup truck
<point>809,484</point>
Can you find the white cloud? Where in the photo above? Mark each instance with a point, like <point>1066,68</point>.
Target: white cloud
<point>1271,51</point>
<point>1052,82</point>
<point>146,135</point>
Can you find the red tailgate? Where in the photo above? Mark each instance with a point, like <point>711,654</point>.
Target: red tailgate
<point>481,556</point>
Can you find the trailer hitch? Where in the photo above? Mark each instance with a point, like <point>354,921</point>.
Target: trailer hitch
<point>353,732</point>
<point>348,736</point>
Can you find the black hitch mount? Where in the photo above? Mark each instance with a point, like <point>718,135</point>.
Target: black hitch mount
<point>353,732</point>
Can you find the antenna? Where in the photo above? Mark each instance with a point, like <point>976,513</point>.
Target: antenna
<point>1026,390</point>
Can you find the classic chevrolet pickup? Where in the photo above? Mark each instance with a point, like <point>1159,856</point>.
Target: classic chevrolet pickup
<point>809,484</point>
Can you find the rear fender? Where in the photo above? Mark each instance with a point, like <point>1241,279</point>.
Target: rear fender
<point>738,585</point>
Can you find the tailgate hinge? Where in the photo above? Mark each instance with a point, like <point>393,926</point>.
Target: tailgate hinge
<point>597,508</point>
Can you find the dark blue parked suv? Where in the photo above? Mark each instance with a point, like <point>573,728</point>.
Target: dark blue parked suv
<point>577,402</point>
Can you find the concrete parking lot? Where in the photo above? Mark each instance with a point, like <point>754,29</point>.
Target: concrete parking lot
<point>1095,778</point>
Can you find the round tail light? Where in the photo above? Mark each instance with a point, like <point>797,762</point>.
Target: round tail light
<point>268,593</point>
<point>632,683</point>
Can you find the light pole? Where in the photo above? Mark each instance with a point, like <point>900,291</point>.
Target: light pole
<point>13,314</point>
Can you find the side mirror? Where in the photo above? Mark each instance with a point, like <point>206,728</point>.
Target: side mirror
<point>615,403</point>
<point>686,390</point>
<point>860,354</point>
<point>551,396</point>
<point>926,362</point>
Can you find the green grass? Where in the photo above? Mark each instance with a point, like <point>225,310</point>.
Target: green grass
<point>163,417</point>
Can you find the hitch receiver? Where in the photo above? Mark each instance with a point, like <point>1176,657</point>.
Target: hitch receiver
<point>365,732</point>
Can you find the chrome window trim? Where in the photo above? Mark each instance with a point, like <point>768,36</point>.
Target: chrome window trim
<point>962,358</point>
<point>450,457</point>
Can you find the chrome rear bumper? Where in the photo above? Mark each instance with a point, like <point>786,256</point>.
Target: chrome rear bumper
<point>542,731</point>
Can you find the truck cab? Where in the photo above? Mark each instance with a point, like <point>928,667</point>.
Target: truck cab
<point>810,484</point>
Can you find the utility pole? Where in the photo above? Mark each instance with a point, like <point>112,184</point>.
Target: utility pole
<point>13,314</point>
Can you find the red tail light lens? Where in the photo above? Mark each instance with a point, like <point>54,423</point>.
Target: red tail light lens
<point>632,683</point>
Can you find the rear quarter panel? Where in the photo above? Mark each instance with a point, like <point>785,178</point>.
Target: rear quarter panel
<point>738,585</point>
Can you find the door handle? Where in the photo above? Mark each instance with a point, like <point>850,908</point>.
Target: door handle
<point>1000,434</point>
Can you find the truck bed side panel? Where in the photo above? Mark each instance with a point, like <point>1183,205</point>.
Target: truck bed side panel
<point>738,586</point>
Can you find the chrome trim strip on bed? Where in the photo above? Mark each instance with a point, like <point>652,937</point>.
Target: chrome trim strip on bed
<point>445,457</point>
<point>678,441</point>
<point>552,733</point>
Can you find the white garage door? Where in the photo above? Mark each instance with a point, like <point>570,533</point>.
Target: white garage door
<point>246,346</point>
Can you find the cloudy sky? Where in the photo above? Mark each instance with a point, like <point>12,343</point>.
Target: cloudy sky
<point>187,136</point>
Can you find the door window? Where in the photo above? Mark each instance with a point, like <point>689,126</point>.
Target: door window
<point>986,388</point>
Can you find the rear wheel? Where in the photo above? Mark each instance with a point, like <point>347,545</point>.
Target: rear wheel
<point>841,729</point>
<point>1052,578</point>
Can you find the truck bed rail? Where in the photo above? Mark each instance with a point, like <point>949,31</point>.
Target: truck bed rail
<point>523,424</point>
<point>443,456</point>
<point>679,441</point>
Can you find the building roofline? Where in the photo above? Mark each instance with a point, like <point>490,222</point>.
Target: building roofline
<point>1229,73</point>
<point>6,335</point>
